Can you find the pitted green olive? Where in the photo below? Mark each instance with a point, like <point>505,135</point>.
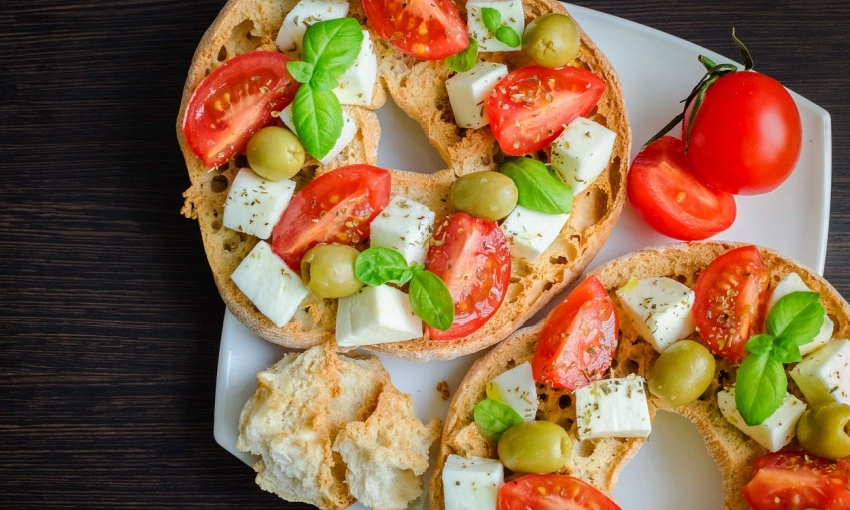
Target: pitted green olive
<point>488,195</point>
<point>535,447</point>
<point>328,270</point>
<point>275,153</point>
<point>552,40</point>
<point>824,430</point>
<point>682,373</point>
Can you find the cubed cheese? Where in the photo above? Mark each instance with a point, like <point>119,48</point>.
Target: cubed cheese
<point>582,152</point>
<point>823,375</point>
<point>376,315</point>
<point>613,408</point>
<point>659,309</point>
<point>405,226</point>
<point>273,288</point>
<point>254,204</point>
<point>472,484</point>
<point>776,431</point>
<point>512,16</point>
<point>517,389</point>
<point>468,93</point>
<point>305,13</point>
<point>793,283</point>
<point>357,83</point>
<point>531,232</point>
<point>349,129</point>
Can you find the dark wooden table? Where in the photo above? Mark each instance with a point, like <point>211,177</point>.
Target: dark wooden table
<point>109,318</point>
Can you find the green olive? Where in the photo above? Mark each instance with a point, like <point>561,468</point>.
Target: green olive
<point>551,40</point>
<point>328,270</point>
<point>275,153</point>
<point>535,447</point>
<point>488,195</point>
<point>682,373</point>
<point>824,430</point>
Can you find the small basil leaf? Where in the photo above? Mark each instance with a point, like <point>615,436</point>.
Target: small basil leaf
<point>759,388</point>
<point>759,344</point>
<point>491,17</point>
<point>431,300</point>
<point>493,418</point>
<point>508,36</point>
<point>798,315</point>
<point>465,59</point>
<point>378,265</point>
<point>786,350</point>
<point>333,44</point>
<point>318,119</point>
<point>418,268</point>
<point>323,80</point>
<point>539,189</point>
<point>301,71</point>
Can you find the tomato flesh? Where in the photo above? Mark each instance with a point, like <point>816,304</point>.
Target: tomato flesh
<point>798,481</point>
<point>530,106</point>
<point>472,256</point>
<point>234,101</point>
<point>337,207</point>
<point>578,339</point>
<point>552,492</point>
<point>729,303</point>
<point>668,196</point>
<point>426,29</point>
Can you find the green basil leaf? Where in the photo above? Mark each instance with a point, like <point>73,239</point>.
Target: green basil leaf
<point>323,81</point>
<point>301,71</point>
<point>798,315</point>
<point>465,59</point>
<point>378,265</point>
<point>538,187</point>
<point>491,17</point>
<point>333,45</point>
<point>493,418</point>
<point>786,350</point>
<point>759,344</point>
<point>431,300</point>
<point>418,268</point>
<point>759,388</point>
<point>508,36</point>
<point>318,119</point>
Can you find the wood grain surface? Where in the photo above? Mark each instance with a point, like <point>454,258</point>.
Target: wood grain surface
<point>109,318</point>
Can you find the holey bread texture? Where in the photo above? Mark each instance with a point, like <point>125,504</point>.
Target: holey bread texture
<point>418,87</point>
<point>599,461</point>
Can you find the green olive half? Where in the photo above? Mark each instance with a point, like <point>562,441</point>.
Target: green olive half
<point>488,195</point>
<point>328,270</point>
<point>551,40</point>
<point>535,447</point>
<point>275,153</point>
<point>824,430</point>
<point>682,373</point>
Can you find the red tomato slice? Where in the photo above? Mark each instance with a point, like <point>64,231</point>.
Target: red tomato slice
<point>730,298</point>
<point>530,106</point>
<point>426,29</point>
<point>552,492</point>
<point>473,257</point>
<point>672,199</point>
<point>337,207</point>
<point>578,339</point>
<point>798,481</point>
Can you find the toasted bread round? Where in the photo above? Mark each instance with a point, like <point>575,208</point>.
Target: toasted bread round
<point>599,461</point>
<point>418,87</point>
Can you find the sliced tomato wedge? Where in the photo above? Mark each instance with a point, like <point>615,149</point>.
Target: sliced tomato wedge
<point>530,106</point>
<point>668,195</point>
<point>730,297</point>
<point>578,339</point>
<point>426,29</point>
<point>552,492</point>
<point>472,256</point>
<point>798,481</point>
<point>337,207</point>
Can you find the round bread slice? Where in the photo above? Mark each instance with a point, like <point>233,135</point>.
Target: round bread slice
<point>418,87</point>
<point>599,461</point>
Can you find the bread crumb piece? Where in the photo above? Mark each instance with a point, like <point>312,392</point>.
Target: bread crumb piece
<point>443,388</point>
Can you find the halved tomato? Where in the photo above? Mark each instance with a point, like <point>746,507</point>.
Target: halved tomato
<point>234,101</point>
<point>578,339</point>
<point>530,106</point>
<point>426,29</point>
<point>552,492</point>
<point>798,481</point>
<point>472,256</point>
<point>729,303</point>
<point>337,207</point>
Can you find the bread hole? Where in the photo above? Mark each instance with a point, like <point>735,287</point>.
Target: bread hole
<point>216,224</point>
<point>568,424</point>
<point>241,161</point>
<point>614,361</point>
<point>775,278</point>
<point>681,278</point>
<point>542,397</point>
<point>222,54</point>
<point>229,245</point>
<point>722,377</point>
<point>548,286</point>
<point>565,401</point>
<point>219,183</point>
<point>586,448</point>
<point>632,366</point>
<point>560,259</point>
<point>242,38</point>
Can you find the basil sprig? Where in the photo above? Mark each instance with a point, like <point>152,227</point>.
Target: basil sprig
<point>761,382</point>
<point>539,189</point>
<point>330,48</point>
<point>429,296</point>
<point>493,418</point>
<point>492,19</point>
<point>465,59</point>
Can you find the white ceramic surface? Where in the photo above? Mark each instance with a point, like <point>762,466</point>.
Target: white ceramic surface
<point>673,469</point>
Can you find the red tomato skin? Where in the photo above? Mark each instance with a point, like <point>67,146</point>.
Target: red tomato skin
<point>789,480</point>
<point>402,23</point>
<point>465,246</point>
<point>532,105</point>
<point>336,207</point>
<point>216,135</point>
<point>747,135</point>
<point>661,174</point>
<point>552,492</point>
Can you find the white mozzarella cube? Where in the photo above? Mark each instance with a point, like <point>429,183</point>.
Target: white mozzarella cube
<point>267,281</point>
<point>512,16</point>
<point>613,408</point>
<point>305,13</point>
<point>254,205</point>
<point>349,129</point>
<point>582,152</point>
<point>659,309</point>
<point>823,376</point>
<point>468,93</point>
<point>405,226</point>
<point>376,315</point>
<point>531,232</point>
<point>793,283</point>
<point>472,484</point>
<point>776,431</point>
<point>516,388</point>
<point>357,83</point>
